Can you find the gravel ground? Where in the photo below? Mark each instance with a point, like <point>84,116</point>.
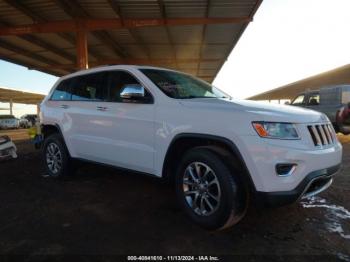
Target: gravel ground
<point>106,212</point>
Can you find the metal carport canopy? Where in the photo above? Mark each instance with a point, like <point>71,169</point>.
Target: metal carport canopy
<point>8,95</point>
<point>11,96</point>
<point>337,76</point>
<point>62,36</point>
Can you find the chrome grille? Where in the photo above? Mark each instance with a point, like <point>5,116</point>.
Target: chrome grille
<point>322,134</point>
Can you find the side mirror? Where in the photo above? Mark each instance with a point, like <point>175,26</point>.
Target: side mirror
<point>132,92</point>
<point>287,103</point>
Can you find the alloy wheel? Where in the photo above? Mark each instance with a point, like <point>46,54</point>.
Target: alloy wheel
<point>201,189</point>
<point>54,158</point>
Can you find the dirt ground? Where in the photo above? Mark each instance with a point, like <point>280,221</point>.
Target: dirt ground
<point>102,211</point>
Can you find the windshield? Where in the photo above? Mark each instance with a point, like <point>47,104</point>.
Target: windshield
<point>298,100</point>
<point>182,86</point>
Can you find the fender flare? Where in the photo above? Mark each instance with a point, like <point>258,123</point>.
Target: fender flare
<point>230,144</point>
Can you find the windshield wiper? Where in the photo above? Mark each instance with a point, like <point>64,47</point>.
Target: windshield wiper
<point>190,97</point>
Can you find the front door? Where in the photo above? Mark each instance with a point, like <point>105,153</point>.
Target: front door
<point>124,130</point>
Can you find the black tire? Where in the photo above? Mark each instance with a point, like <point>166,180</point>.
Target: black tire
<point>233,202</point>
<point>66,167</point>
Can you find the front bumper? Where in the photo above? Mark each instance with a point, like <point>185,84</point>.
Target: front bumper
<point>262,156</point>
<point>7,148</point>
<point>312,184</point>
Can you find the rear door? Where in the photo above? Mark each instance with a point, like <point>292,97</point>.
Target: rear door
<point>83,124</point>
<point>330,102</point>
<point>56,108</point>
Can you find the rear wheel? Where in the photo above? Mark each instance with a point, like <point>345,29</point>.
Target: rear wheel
<point>56,157</point>
<point>210,193</point>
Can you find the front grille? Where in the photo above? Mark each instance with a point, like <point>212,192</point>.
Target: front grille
<point>322,134</point>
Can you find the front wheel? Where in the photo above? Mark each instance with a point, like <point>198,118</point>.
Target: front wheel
<point>210,193</point>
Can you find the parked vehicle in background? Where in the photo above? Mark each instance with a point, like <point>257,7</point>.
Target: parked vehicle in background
<point>219,152</point>
<point>8,122</point>
<point>7,148</point>
<point>31,118</point>
<point>24,123</point>
<point>334,101</point>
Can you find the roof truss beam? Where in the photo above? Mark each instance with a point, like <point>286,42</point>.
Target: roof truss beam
<point>163,13</point>
<point>37,18</point>
<point>92,24</point>
<point>18,50</point>
<point>74,9</point>
<point>29,65</point>
<point>116,8</point>
<point>132,61</point>
<point>32,15</point>
<point>37,41</point>
<point>203,36</point>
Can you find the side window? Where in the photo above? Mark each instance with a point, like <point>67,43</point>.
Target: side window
<point>117,80</point>
<point>314,99</point>
<point>345,96</point>
<point>89,87</point>
<point>62,91</point>
<point>298,100</point>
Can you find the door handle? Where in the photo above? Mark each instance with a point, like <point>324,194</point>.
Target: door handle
<point>64,106</point>
<point>101,108</point>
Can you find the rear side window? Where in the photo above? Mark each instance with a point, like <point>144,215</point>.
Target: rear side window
<point>314,99</point>
<point>89,87</point>
<point>346,95</point>
<point>62,91</point>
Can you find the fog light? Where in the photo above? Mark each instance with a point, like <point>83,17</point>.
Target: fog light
<point>285,169</point>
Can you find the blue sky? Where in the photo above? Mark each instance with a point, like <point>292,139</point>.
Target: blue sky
<point>19,77</point>
<point>287,41</point>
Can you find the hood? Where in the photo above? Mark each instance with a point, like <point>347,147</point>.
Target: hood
<point>260,110</point>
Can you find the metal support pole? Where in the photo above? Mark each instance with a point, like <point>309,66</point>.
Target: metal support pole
<point>11,107</point>
<point>82,49</point>
<point>37,121</point>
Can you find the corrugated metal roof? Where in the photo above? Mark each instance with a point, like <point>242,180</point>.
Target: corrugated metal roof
<point>8,94</point>
<point>337,76</point>
<point>208,45</point>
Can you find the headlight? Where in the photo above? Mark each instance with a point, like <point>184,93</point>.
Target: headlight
<point>276,130</point>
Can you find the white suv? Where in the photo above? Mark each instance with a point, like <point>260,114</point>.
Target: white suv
<point>220,152</point>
